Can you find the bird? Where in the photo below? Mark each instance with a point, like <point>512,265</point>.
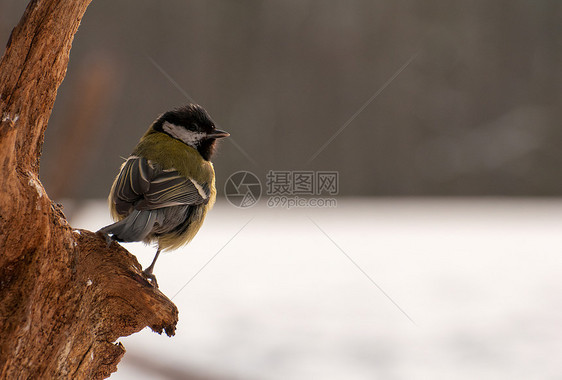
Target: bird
<point>166,186</point>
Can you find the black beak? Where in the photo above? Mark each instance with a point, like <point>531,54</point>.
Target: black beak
<point>217,134</point>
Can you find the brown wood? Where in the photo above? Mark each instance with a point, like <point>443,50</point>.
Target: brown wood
<point>65,297</point>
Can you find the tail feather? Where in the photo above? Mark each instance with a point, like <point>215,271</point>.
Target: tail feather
<point>135,227</point>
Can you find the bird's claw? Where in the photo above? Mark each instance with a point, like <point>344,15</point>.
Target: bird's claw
<point>108,239</point>
<point>151,278</point>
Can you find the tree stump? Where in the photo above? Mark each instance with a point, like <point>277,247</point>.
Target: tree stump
<point>65,297</point>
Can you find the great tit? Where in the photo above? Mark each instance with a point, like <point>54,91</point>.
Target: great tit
<point>166,186</point>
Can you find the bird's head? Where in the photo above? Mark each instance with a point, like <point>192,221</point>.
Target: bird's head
<point>193,126</point>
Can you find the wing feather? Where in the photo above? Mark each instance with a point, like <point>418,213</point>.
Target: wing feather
<point>142,185</point>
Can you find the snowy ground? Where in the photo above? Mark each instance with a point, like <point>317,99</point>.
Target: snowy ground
<point>479,278</point>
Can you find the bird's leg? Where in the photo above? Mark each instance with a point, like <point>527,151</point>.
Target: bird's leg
<point>148,271</point>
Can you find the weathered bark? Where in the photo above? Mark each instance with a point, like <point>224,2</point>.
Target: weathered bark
<point>65,297</point>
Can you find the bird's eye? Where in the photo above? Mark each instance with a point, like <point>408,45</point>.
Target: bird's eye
<point>192,127</point>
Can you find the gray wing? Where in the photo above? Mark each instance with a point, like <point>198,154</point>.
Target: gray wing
<point>142,185</point>
<point>152,200</point>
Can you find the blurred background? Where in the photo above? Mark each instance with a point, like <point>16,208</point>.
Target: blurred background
<point>477,111</point>
<point>427,100</point>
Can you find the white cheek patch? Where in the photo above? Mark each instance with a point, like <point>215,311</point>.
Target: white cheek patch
<point>189,137</point>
